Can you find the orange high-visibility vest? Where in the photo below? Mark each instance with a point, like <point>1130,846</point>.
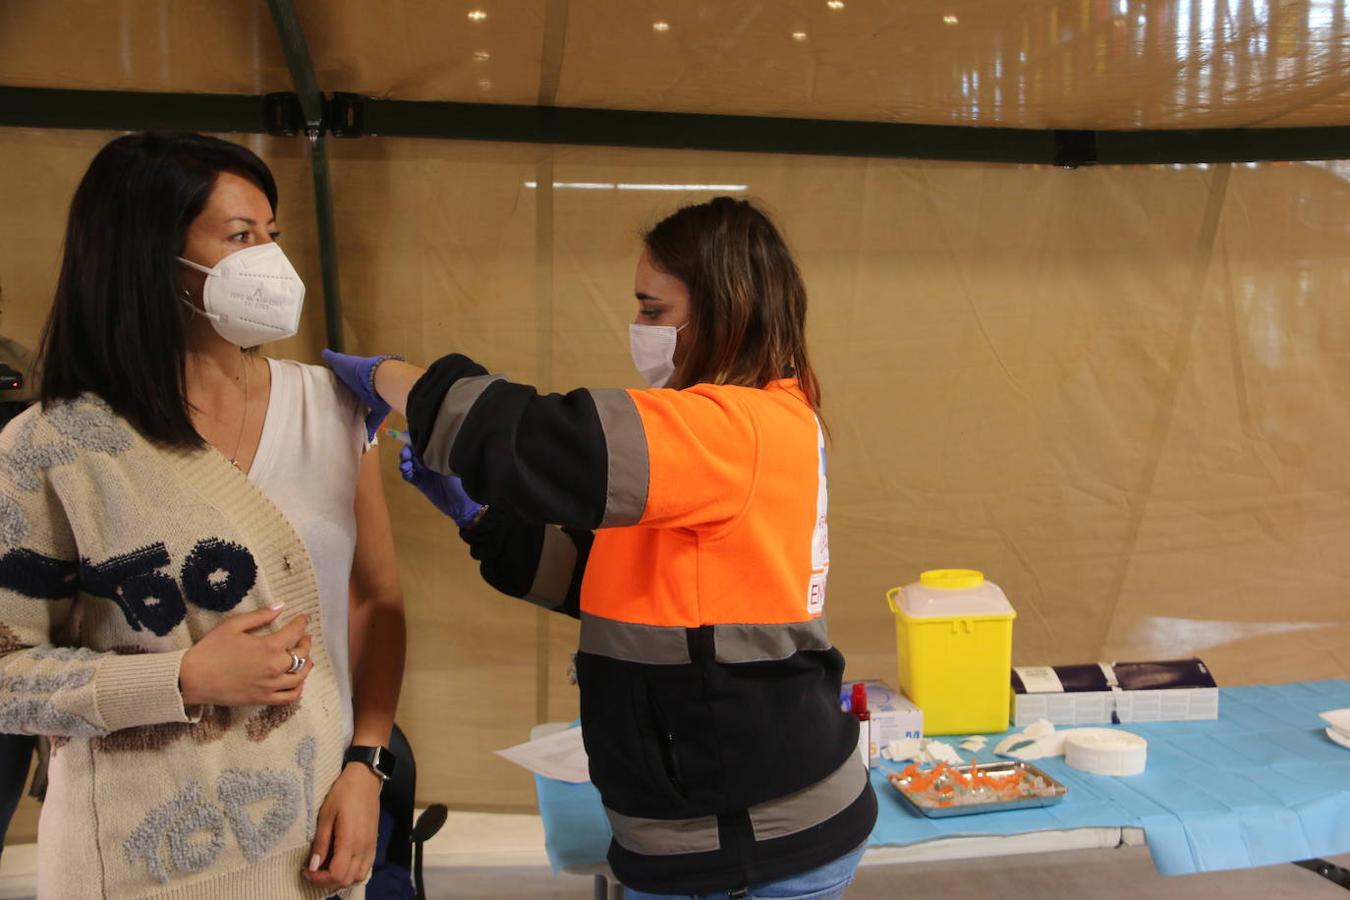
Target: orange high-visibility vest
<point>734,526</point>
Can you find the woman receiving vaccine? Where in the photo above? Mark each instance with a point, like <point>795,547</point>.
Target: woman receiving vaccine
<point>686,527</point>
<point>182,605</point>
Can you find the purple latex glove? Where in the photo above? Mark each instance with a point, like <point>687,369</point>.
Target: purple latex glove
<point>445,492</point>
<point>358,374</point>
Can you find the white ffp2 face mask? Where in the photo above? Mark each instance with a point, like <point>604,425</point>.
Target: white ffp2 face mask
<point>653,349</point>
<point>253,296</point>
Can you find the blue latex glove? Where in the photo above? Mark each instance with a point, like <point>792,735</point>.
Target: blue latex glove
<point>445,492</point>
<point>358,374</point>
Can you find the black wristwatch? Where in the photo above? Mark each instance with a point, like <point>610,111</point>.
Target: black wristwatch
<point>379,759</point>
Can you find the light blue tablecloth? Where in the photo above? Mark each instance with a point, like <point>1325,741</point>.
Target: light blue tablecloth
<point>1261,785</point>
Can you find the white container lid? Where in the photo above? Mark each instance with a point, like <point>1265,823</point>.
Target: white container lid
<point>953,593</point>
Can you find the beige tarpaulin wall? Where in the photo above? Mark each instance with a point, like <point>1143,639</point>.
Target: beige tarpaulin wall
<point>1120,392</point>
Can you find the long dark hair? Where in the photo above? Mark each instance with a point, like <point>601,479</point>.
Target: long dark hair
<point>117,328</point>
<point>747,301</point>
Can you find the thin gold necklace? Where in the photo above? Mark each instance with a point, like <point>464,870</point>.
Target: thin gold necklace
<point>239,441</point>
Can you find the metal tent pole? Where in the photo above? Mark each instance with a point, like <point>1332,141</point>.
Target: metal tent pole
<point>312,106</point>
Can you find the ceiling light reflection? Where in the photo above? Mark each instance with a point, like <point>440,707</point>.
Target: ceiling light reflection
<point>950,19</point>
<point>682,187</point>
<point>481,56</point>
<point>660,25</point>
<point>477,15</point>
<point>799,36</point>
<point>835,4</point>
<point>638,186</point>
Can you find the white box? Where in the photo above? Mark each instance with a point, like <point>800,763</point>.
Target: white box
<point>1174,705</point>
<point>893,715</point>
<point>1178,690</point>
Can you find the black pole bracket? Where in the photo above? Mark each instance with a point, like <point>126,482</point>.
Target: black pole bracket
<point>345,115</point>
<point>282,115</point>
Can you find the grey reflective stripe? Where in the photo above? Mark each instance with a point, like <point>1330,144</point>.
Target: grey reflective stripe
<point>759,643</point>
<point>626,446</point>
<point>664,837</point>
<point>656,644</point>
<point>788,815</point>
<point>553,575</point>
<point>461,397</point>
<point>811,806</point>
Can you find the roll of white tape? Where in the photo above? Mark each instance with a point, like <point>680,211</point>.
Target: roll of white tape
<point>1104,751</point>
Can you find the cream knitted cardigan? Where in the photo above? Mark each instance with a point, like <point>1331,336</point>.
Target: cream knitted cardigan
<point>116,555</point>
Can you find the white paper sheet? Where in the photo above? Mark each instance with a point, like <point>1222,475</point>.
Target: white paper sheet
<point>560,755</point>
<point>1338,719</point>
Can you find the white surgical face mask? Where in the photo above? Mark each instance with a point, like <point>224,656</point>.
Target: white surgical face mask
<point>653,349</point>
<point>253,296</point>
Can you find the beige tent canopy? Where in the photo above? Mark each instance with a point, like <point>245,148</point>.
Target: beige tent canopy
<point>1120,389</point>
<point>1114,64</point>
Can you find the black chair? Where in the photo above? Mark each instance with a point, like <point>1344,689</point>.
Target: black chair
<point>16,750</point>
<point>399,799</point>
<point>16,759</point>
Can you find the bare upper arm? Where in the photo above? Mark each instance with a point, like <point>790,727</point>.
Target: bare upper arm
<point>374,566</point>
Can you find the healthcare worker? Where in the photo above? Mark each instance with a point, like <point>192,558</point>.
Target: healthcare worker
<point>686,527</point>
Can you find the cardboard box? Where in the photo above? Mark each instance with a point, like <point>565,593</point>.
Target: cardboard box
<point>1176,690</point>
<point>894,716</point>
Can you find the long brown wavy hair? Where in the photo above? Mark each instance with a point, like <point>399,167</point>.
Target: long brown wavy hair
<point>747,302</point>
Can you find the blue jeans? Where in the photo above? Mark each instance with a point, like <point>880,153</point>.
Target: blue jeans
<point>825,883</point>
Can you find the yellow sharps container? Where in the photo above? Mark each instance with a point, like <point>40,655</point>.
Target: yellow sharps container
<point>953,640</point>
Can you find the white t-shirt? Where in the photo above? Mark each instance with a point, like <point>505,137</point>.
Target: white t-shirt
<point>307,462</point>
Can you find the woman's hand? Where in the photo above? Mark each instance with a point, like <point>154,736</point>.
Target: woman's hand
<point>343,852</point>
<point>230,667</point>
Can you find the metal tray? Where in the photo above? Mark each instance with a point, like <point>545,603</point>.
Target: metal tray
<point>1057,792</point>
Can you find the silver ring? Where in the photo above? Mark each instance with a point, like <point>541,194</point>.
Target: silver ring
<point>297,663</point>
